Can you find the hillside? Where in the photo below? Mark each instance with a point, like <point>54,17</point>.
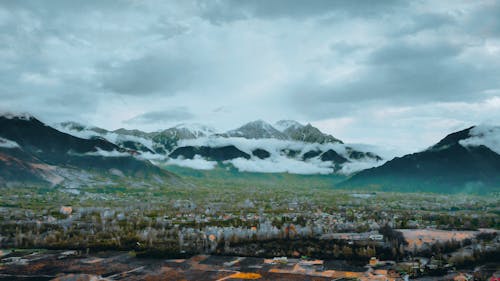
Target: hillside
<point>462,161</point>
<point>31,151</point>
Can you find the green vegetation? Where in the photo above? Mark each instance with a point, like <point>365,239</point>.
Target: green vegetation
<point>222,211</point>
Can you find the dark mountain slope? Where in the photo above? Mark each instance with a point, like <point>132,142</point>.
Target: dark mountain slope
<point>211,153</point>
<point>40,150</point>
<point>34,136</point>
<point>445,167</point>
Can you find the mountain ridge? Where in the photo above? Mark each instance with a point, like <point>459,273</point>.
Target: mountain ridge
<point>31,151</point>
<point>41,151</point>
<point>201,143</point>
<point>447,165</point>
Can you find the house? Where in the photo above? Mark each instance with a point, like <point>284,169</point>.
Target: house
<point>374,261</point>
<point>276,260</point>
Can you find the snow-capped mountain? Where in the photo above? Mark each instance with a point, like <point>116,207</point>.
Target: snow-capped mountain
<point>283,130</point>
<point>257,130</point>
<point>167,140</point>
<point>259,147</point>
<point>256,146</point>
<point>195,130</point>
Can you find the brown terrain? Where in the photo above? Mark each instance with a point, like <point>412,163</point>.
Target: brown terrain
<point>72,265</point>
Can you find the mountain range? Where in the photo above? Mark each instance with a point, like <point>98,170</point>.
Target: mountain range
<point>256,147</point>
<point>72,154</point>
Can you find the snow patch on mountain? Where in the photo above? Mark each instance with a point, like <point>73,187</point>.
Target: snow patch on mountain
<point>198,130</point>
<point>256,130</point>
<point>5,143</point>
<point>486,135</point>
<point>283,125</point>
<point>117,138</point>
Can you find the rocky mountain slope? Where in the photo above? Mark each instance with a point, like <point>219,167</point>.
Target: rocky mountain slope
<point>257,130</point>
<point>31,151</point>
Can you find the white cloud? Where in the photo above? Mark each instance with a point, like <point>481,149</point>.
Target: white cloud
<point>398,130</point>
<point>118,138</point>
<point>353,167</point>
<point>278,162</point>
<point>106,153</point>
<point>115,138</point>
<point>486,135</point>
<point>273,146</point>
<point>281,165</point>
<point>196,163</point>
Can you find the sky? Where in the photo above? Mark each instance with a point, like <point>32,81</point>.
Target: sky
<point>400,74</point>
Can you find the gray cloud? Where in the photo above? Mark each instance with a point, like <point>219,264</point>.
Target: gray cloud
<point>139,63</point>
<point>421,22</point>
<point>228,10</point>
<point>483,20</point>
<point>149,75</point>
<point>403,73</point>
<point>164,116</point>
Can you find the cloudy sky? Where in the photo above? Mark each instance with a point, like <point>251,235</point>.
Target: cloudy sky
<point>395,73</point>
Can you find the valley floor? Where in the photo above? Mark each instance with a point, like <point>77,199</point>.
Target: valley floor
<point>209,220</point>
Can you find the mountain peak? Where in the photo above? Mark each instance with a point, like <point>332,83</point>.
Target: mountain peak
<point>282,125</point>
<point>170,137</point>
<point>257,129</point>
<point>309,133</point>
<point>258,123</point>
<point>130,132</point>
<point>196,128</point>
<point>452,139</point>
<point>483,135</point>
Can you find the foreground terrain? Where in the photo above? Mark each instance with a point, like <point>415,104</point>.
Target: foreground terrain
<point>299,217</point>
<point>73,265</point>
